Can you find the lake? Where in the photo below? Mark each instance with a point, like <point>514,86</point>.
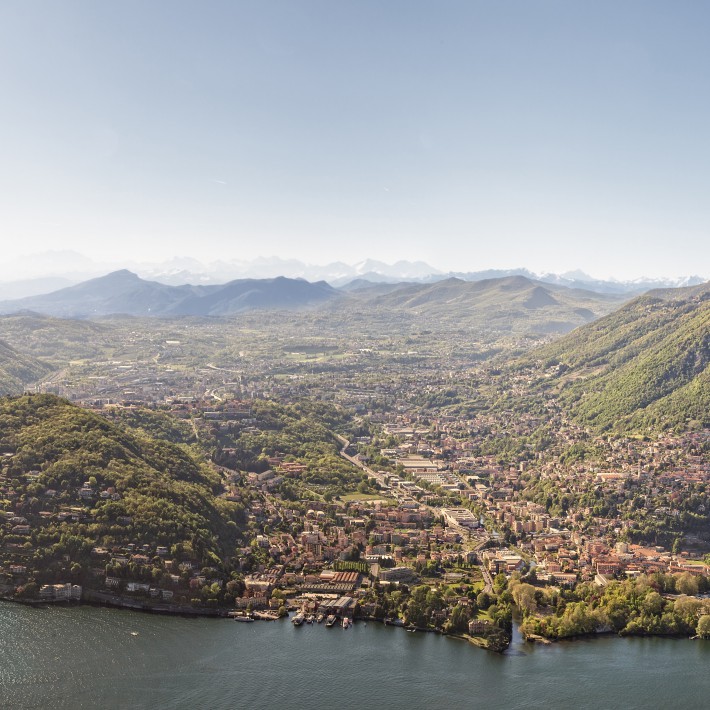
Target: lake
<point>88,657</point>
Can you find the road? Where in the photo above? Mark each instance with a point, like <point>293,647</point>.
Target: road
<point>382,480</point>
<point>355,460</point>
<point>488,580</point>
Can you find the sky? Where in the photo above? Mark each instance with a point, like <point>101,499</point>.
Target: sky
<point>551,135</point>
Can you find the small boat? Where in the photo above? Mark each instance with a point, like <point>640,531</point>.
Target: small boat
<point>134,633</point>
<point>346,622</point>
<point>319,618</point>
<point>330,621</point>
<point>298,619</point>
<point>244,619</point>
<point>310,619</point>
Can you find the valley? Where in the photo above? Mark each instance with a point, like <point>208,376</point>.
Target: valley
<point>487,462</point>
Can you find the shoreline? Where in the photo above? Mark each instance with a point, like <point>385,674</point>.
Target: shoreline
<point>543,640</point>
<point>108,601</point>
<point>120,603</point>
<point>95,598</point>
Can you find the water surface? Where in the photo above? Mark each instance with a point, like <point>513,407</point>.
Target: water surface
<point>87,657</point>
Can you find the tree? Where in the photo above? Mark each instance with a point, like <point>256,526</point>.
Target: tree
<point>687,609</point>
<point>352,554</point>
<point>687,584</point>
<point>458,621</point>
<point>524,597</point>
<point>653,603</point>
<point>483,600</point>
<point>703,628</point>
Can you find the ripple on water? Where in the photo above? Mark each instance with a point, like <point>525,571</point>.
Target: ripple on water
<point>86,658</point>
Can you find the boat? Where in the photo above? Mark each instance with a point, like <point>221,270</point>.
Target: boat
<point>243,619</point>
<point>310,619</point>
<point>346,622</point>
<point>298,619</point>
<point>330,621</point>
<point>319,618</point>
<point>134,633</point>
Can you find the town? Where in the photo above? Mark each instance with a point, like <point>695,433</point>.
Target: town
<point>415,485</point>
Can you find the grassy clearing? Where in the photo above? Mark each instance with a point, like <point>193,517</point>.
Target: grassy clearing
<point>351,497</point>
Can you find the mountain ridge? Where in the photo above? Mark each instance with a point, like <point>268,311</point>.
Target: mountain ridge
<point>512,303</point>
<point>646,364</point>
<point>124,292</point>
<point>29,273</point>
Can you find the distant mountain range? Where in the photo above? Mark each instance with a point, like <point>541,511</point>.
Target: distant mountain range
<point>123,292</point>
<point>42,273</point>
<point>645,365</point>
<point>580,280</point>
<point>575,279</point>
<point>513,304</point>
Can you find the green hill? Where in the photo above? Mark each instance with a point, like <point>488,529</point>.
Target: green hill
<point>154,492</point>
<point>513,304</point>
<point>18,370</point>
<point>646,365</point>
<point>55,340</point>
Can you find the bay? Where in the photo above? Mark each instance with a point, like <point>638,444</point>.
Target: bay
<point>90,657</point>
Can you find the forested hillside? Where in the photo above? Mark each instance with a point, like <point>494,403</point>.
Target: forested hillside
<point>645,365</point>
<point>56,341</point>
<point>81,481</point>
<point>16,370</point>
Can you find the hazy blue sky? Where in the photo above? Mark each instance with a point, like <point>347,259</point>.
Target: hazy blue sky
<point>551,135</point>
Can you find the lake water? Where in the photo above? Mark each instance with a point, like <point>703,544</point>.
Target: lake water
<point>87,657</point>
